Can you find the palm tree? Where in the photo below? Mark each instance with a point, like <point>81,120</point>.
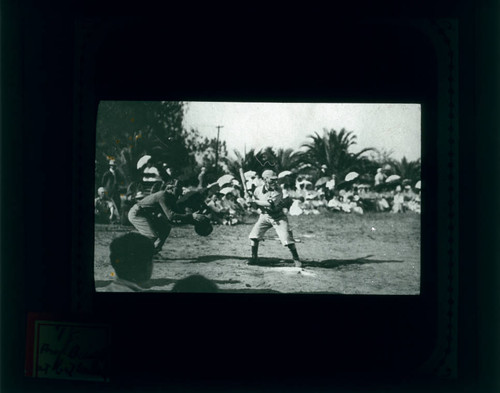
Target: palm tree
<point>286,160</point>
<point>247,161</point>
<point>332,150</point>
<point>408,169</point>
<point>267,158</point>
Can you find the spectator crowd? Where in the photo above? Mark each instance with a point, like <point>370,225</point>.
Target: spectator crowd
<point>226,203</point>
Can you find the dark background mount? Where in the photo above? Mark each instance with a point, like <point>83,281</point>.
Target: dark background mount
<point>276,54</point>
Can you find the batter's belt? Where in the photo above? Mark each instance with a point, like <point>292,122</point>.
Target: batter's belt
<point>276,216</point>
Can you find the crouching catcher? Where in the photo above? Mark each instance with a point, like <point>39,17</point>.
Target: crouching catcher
<point>153,215</point>
<point>269,199</point>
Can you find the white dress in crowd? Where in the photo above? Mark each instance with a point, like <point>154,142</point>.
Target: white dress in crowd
<point>398,202</point>
<point>295,209</point>
<point>330,184</point>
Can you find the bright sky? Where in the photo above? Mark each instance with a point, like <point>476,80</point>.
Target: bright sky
<point>393,127</point>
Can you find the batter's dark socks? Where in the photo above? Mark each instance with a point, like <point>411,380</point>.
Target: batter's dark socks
<point>255,251</point>
<point>293,250</point>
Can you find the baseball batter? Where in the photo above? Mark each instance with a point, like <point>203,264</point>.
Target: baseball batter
<point>269,199</point>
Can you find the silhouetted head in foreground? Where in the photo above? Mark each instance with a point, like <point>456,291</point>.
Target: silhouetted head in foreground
<point>195,283</point>
<point>131,256</point>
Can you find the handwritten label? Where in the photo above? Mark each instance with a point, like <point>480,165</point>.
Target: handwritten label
<point>71,351</point>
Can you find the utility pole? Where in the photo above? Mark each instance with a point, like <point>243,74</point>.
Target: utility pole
<point>217,152</point>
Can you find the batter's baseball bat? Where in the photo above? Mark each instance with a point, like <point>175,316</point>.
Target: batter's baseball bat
<point>244,182</point>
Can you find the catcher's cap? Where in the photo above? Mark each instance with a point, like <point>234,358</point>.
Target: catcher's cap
<point>203,228</point>
<point>269,174</point>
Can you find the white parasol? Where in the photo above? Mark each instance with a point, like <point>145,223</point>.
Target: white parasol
<point>226,190</point>
<point>142,161</point>
<point>215,184</point>
<point>283,174</point>
<point>321,181</point>
<point>351,176</point>
<point>225,179</point>
<point>392,178</point>
<point>249,174</point>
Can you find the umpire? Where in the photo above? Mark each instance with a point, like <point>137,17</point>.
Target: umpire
<point>153,215</point>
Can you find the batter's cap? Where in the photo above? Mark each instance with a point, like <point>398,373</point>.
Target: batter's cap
<point>269,174</point>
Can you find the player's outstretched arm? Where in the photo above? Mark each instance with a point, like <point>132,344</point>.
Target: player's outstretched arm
<point>262,203</point>
<point>199,217</point>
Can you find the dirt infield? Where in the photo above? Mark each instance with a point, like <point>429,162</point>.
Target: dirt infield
<point>375,253</point>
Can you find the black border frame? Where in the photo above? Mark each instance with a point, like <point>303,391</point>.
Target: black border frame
<point>422,325</point>
<point>38,280</point>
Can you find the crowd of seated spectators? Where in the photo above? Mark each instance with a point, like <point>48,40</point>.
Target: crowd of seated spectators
<point>230,208</point>
<point>226,204</point>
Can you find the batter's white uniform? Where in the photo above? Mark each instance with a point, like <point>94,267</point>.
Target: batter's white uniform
<point>271,218</point>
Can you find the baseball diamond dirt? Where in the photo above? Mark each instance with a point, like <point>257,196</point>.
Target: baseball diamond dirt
<point>374,253</point>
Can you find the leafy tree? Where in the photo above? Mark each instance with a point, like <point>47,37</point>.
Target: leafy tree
<point>205,152</point>
<point>127,130</point>
<point>332,150</point>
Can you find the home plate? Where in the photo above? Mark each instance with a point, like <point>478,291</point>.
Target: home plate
<point>294,270</point>
<point>278,239</point>
<point>306,272</point>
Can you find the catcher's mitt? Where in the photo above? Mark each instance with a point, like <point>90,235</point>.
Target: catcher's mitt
<point>203,227</point>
